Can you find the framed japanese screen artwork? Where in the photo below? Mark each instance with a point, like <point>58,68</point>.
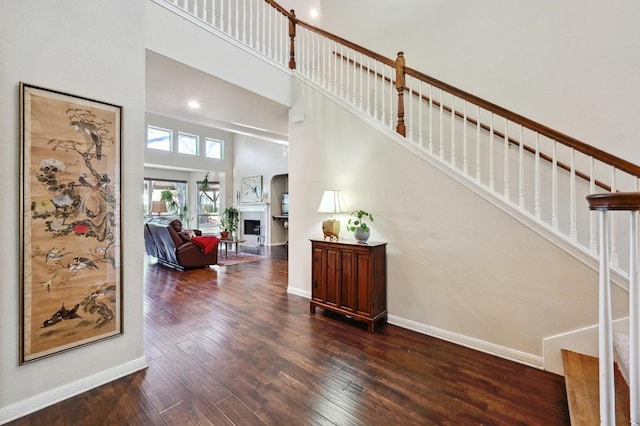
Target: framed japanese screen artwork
<point>70,215</point>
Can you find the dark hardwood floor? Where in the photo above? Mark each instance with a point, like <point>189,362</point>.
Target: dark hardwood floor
<point>227,345</point>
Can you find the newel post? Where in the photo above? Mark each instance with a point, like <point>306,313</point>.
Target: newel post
<point>292,37</point>
<point>400,128</point>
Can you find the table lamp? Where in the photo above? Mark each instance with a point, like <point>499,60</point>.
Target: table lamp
<point>332,203</point>
<point>158,207</point>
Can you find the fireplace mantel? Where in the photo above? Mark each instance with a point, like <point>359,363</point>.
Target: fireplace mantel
<point>252,207</point>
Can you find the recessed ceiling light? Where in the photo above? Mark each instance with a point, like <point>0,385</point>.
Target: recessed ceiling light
<point>313,13</point>
<point>194,105</point>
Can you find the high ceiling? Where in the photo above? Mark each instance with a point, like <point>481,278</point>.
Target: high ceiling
<point>170,85</point>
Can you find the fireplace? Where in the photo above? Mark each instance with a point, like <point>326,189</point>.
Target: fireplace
<point>254,224</point>
<point>251,227</point>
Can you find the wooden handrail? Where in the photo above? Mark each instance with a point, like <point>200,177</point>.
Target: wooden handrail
<point>629,201</point>
<point>569,141</point>
<point>474,122</point>
<point>513,117</point>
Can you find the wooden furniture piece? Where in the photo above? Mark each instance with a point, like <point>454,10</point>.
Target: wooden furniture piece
<point>232,243</point>
<point>350,278</point>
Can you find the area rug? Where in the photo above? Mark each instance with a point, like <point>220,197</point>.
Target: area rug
<point>234,259</point>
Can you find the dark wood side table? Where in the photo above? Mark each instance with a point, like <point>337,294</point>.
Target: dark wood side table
<point>350,278</point>
<point>231,242</point>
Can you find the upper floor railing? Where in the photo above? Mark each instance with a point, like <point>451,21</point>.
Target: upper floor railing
<point>534,169</point>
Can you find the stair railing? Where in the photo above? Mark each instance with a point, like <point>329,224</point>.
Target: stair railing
<point>604,203</point>
<point>534,169</point>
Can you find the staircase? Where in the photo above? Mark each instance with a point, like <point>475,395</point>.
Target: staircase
<point>581,381</point>
<point>534,173</point>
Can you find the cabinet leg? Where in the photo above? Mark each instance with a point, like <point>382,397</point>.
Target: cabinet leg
<point>371,327</point>
<point>312,308</point>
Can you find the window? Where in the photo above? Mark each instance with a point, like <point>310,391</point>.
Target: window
<point>158,138</point>
<point>188,144</point>
<point>162,190</point>
<point>208,204</point>
<point>213,148</point>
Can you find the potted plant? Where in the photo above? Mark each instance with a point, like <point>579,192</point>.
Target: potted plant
<point>167,196</point>
<point>229,222</point>
<point>357,225</point>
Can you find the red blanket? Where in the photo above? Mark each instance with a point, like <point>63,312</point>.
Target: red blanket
<point>206,243</point>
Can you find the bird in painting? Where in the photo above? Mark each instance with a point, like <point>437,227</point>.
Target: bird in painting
<point>80,263</point>
<point>91,134</point>
<point>55,254</point>
<point>48,283</point>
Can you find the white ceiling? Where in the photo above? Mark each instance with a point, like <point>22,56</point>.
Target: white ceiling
<point>170,85</point>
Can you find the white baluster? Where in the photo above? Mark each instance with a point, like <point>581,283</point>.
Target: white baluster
<point>368,76</point>
<point>335,67</point>
<point>355,86</point>
<point>323,55</point>
<point>361,80</point>
<point>221,13</point>
<point>431,119</point>
<point>375,89</point>
<point>410,99</point>
<point>573,229</point>
<point>452,145</point>
<point>593,242</point>
<point>441,123</point>
<point>507,180</point>
<point>195,8</point>
<point>341,59</point>
<point>607,403</point>
<point>382,96</point>
<point>263,33</point>
<point>537,208</point>
<point>236,32</point>
<point>465,154</point>
<point>614,246</point>
<point>252,40</point>
<point>492,174</point>
<point>554,187</point>
<point>205,11</point>
<point>271,32</point>
<point>392,91</point>
<point>245,15</point>
<point>521,170</point>
<point>634,323</point>
<point>478,150</point>
<point>420,102</point>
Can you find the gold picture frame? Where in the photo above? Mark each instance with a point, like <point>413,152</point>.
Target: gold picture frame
<point>70,216</point>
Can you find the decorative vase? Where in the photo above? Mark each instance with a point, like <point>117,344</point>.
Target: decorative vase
<point>361,235</point>
<point>224,235</point>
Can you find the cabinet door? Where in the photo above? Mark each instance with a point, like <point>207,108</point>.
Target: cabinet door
<point>363,283</point>
<point>332,277</point>
<point>318,286</point>
<point>347,280</point>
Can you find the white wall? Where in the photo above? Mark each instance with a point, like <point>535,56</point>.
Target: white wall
<point>68,46</point>
<point>572,65</point>
<point>458,267</point>
<point>255,157</point>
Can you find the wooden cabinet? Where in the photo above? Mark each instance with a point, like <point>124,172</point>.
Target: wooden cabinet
<point>350,278</point>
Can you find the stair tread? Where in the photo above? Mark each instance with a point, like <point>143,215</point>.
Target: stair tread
<point>581,381</point>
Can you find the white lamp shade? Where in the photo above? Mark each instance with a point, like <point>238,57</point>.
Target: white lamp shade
<point>332,202</point>
<point>158,207</point>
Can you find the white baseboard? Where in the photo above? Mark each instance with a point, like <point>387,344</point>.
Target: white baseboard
<point>583,341</point>
<point>53,396</point>
<point>459,339</point>
<point>302,293</point>
<point>469,342</point>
